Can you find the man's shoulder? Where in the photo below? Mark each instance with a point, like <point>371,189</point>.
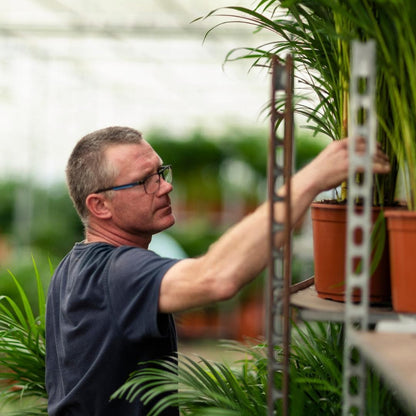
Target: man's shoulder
<point>89,252</point>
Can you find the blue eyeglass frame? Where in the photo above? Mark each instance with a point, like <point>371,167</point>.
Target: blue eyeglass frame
<point>159,172</point>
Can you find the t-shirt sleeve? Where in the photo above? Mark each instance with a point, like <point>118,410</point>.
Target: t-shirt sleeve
<point>134,279</point>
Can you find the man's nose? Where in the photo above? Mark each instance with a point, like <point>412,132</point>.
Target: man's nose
<point>165,187</point>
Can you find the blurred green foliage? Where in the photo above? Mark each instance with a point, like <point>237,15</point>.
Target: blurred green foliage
<point>51,225</point>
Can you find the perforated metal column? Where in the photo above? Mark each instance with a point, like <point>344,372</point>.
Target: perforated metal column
<point>278,289</point>
<point>362,132</point>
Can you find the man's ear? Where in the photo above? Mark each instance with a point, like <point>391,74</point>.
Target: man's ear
<point>98,207</point>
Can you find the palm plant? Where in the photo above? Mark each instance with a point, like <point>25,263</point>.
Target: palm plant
<point>309,31</point>
<point>393,27</point>
<point>22,351</point>
<point>201,387</point>
<point>318,33</point>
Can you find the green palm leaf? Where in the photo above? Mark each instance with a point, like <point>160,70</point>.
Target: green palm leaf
<point>318,34</point>
<point>202,387</point>
<point>22,350</point>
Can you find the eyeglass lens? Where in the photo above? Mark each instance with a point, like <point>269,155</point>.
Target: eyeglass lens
<point>152,183</point>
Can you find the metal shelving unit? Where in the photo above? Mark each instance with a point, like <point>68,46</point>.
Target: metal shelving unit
<point>391,354</point>
<point>310,307</point>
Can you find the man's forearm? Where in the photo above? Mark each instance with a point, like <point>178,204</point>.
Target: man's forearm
<point>236,258</point>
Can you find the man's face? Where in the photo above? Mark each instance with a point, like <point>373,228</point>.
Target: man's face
<point>133,210</point>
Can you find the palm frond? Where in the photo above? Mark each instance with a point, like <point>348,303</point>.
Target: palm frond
<point>22,349</point>
<point>202,387</point>
<point>318,34</point>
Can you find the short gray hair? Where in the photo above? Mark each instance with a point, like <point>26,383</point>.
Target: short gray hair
<point>88,170</point>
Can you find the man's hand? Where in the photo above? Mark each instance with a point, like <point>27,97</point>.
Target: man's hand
<point>330,167</point>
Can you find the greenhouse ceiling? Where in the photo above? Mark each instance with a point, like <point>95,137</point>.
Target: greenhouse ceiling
<point>71,66</point>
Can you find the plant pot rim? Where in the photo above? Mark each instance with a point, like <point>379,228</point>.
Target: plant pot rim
<point>334,204</point>
<point>329,204</point>
<point>400,212</point>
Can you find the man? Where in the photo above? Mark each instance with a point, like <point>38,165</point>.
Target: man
<point>111,299</point>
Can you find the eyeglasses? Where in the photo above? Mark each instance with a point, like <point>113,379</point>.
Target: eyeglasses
<point>151,183</point>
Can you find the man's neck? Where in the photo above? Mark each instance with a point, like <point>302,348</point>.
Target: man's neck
<point>98,234</point>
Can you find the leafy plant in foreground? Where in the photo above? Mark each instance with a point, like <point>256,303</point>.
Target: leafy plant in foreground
<point>201,387</point>
<point>22,351</point>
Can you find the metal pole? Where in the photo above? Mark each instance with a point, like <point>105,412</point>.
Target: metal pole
<point>361,150</point>
<point>279,278</point>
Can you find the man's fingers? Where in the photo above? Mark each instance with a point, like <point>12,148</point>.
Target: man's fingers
<point>381,162</point>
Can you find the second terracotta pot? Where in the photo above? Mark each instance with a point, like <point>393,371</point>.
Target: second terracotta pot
<point>329,223</point>
<point>402,236</point>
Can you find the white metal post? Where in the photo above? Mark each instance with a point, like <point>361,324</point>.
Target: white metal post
<point>362,132</point>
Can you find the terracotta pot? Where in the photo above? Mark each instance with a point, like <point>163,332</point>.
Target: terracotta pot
<point>329,222</point>
<point>199,323</point>
<point>402,240</point>
<point>251,319</point>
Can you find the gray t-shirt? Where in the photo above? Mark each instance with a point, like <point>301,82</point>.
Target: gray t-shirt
<point>102,319</point>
